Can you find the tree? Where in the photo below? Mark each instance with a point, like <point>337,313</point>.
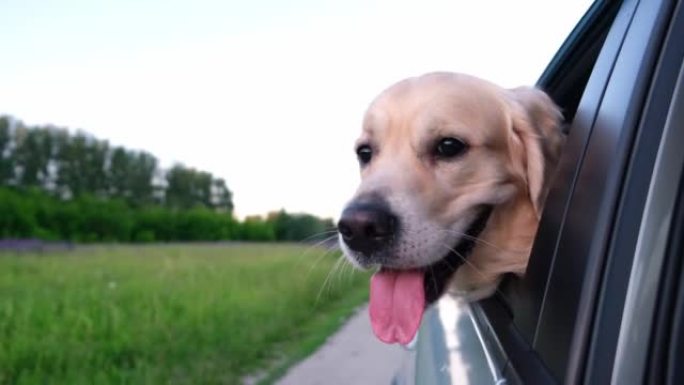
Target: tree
<point>254,228</point>
<point>130,176</point>
<point>6,162</point>
<point>141,176</point>
<point>32,156</point>
<point>187,188</point>
<point>299,227</point>
<point>81,165</point>
<point>58,185</point>
<point>222,197</point>
<point>94,166</point>
<point>118,173</point>
<point>70,156</point>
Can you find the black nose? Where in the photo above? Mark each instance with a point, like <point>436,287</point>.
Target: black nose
<point>367,227</point>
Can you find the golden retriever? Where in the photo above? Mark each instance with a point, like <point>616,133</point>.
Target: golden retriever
<point>454,174</point>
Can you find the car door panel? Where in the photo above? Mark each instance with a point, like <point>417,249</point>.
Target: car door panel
<point>639,173</point>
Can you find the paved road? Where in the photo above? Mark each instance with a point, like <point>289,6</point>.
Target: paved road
<point>352,356</point>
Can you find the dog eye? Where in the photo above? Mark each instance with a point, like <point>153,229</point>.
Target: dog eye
<point>364,153</point>
<point>450,147</point>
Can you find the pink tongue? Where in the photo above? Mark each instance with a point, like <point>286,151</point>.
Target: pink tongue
<point>397,301</point>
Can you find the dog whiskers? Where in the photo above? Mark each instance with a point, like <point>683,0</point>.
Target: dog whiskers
<point>319,243</point>
<point>475,268</point>
<point>349,267</point>
<point>468,237</point>
<point>322,256</point>
<point>480,241</point>
<point>332,231</point>
<point>327,282</point>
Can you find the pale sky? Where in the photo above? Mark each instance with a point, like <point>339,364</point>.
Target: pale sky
<point>268,94</point>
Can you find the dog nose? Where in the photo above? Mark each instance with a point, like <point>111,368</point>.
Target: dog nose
<point>367,227</point>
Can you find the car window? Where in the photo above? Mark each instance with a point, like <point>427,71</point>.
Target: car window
<point>525,296</point>
<point>543,321</point>
<point>565,80</point>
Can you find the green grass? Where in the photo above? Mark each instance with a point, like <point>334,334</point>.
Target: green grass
<point>167,314</point>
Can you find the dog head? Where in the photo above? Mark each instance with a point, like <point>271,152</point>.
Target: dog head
<point>454,174</point>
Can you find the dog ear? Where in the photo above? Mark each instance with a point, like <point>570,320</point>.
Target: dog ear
<point>538,137</point>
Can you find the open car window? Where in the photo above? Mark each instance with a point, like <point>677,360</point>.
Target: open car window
<point>614,78</point>
<point>565,80</point>
<point>568,306</point>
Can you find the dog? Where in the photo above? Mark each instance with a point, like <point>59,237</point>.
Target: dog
<point>454,174</point>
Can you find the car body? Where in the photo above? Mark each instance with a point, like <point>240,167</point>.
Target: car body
<point>602,301</point>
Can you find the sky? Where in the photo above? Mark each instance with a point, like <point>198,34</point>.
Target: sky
<point>267,94</point>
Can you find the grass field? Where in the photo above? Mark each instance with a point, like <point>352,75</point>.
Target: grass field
<point>194,314</point>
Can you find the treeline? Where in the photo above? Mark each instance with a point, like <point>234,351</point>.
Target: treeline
<point>68,165</point>
<point>60,186</point>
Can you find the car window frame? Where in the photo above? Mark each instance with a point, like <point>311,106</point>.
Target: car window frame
<point>608,313</point>
<point>632,353</point>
